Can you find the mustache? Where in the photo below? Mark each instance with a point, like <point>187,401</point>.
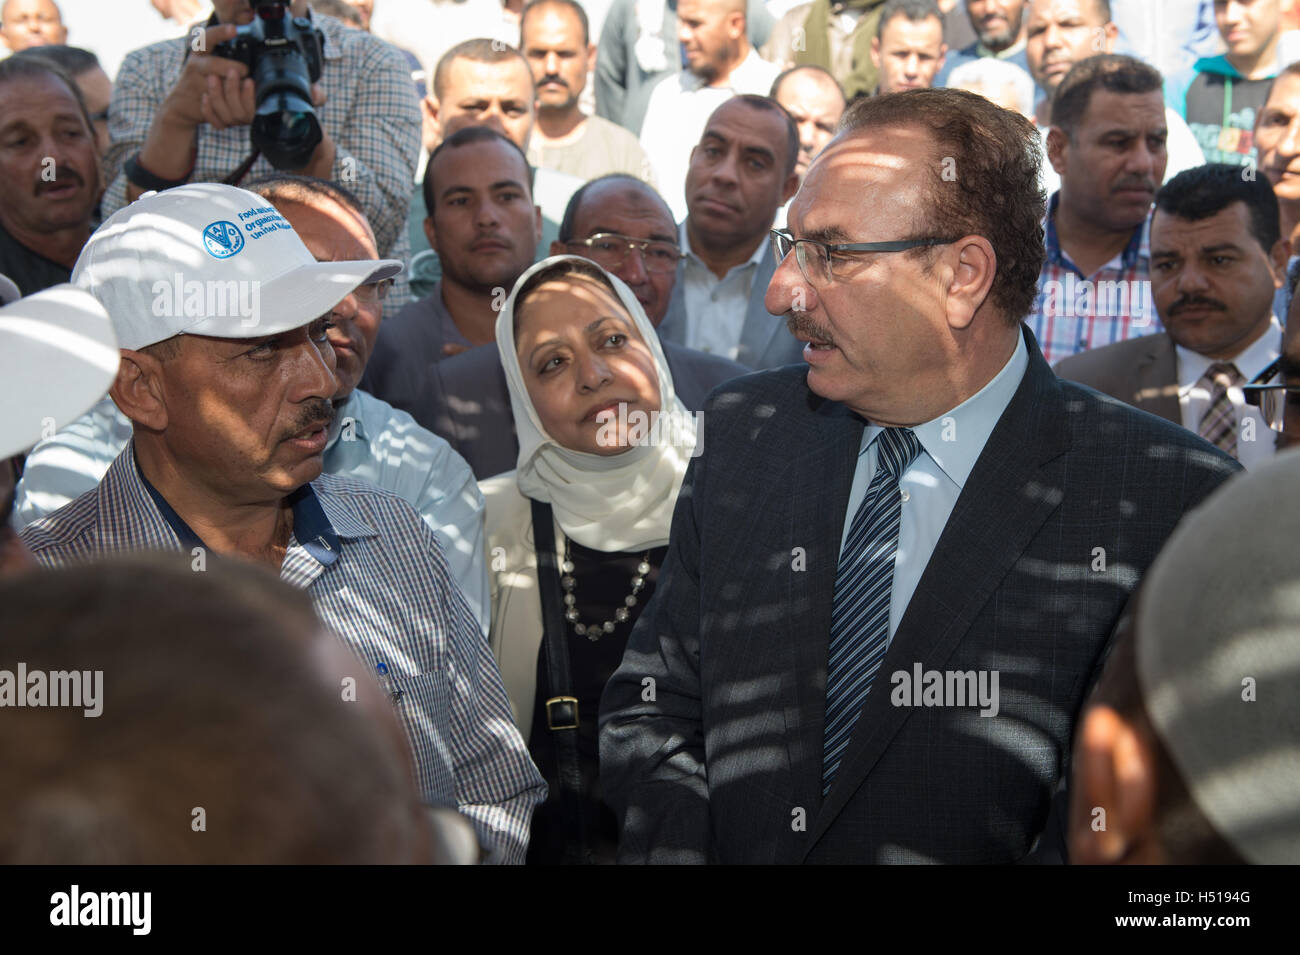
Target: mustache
<point>552,78</point>
<point>1194,301</point>
<point>62,176</point>
<point>1140,182</point>
<point>314,413</point>
<point>799,323</point>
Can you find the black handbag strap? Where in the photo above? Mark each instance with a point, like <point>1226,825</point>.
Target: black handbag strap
<point>561,706</point>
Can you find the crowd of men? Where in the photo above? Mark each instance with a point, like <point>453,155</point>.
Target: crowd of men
<point>1025,266</point>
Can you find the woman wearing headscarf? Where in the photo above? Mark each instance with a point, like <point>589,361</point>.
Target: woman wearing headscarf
<point>576,534</point>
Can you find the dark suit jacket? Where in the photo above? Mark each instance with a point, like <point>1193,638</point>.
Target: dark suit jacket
<point>724,761</point>
<point>1140,371</point>
<point>465,399</point>
<point>765,342</point>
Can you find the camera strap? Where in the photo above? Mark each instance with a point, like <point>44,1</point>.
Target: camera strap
<point>234,178</point>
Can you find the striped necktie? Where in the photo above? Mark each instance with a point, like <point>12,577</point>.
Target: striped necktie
<point>1219,423</point>
<point>864,580</point>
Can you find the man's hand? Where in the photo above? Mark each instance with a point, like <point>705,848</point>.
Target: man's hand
<point>211,89</point>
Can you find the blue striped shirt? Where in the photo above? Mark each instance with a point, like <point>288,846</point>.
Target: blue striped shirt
<point>377,576</point>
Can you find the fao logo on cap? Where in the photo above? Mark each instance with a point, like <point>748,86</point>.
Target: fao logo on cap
<point>222,239</point>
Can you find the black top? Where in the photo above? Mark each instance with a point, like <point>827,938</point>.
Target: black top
<point>30,270</point>
<point>602,581</point>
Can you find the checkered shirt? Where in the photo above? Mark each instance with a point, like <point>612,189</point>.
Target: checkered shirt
<point>1075,312</point>
<point>371,112</point>
<point>377,577</point>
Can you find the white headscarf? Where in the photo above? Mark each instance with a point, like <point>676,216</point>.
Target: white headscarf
<point>617,502</point>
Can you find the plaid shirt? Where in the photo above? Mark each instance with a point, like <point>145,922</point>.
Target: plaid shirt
<point>371,112</point>
<point>1075,312</point>
<point>377,577</point>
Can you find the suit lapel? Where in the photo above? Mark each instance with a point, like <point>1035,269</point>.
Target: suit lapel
<point>995,517</point>
<point>673,327</point>
<point>816,525</point>
<point>760,325</point>
<point>1157,379</point>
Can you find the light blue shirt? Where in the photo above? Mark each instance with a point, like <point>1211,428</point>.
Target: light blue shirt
<point>370,440</point>
<point>929,488</point>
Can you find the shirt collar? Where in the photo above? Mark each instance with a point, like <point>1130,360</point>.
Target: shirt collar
<point>349,411</point>
<point>956,439</point>
<point>1135,254</point>
<point>1257,356</point>
<point>311,528</point>
<point>982,51</point>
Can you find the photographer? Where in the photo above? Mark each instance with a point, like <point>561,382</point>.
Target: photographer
<point>181,113</point>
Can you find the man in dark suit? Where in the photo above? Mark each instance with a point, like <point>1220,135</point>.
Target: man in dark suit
<point>892,572</point>
<point>1217,260</point>
<point>625,226</point>
<point>741,172</point>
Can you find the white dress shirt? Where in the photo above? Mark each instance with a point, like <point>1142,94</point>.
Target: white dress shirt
<point>1255,444</point>
<point>716,307</point>
<point>950,446</point>
<point>678,111</point>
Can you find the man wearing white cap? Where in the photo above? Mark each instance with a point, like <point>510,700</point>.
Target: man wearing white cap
<point>1186,753</point>
<point>59,357</point>
<point>370,440</point>
<point>227,375</point>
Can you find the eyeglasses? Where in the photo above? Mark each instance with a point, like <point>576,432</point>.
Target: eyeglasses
<point>611,249</point>
<point>372,293</point>
<point>1270,396</point>
<point>816,259</point>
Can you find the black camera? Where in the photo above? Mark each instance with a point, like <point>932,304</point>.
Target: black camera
<point>283,56</point>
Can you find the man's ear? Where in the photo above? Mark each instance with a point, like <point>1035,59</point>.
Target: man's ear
<point>138,390</point>
<point>537,225</point>
<point>875,51</point>
<point>1113,792</point>
<point>1277,259</point>
<point>1058,144</point>
<point>429,233</point>
<point>736,25</point>
<point>972,276</point>
<point>790,188</point>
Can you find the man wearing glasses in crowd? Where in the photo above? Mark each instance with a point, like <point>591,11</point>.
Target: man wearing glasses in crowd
<point>893,571</point>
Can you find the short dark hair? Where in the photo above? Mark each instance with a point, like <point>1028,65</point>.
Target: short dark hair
<point>464,137</point>
<point>984,180</point>
<point>916,11</point>
<point>556,270</point>
<point>1204,191</point>
<point>72,60</point>
<point>208,700</point>
<point>1112,72</point>
<point>19,67</point>
<point>791,128</point>
<point>304,190</point>
<point>1183,830</point>
<point>478,50</point>
<point>571,5</point>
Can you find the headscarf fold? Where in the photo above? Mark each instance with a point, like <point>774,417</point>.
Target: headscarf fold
<point>617,502</point>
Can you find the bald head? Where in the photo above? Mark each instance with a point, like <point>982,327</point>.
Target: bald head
<point>815,102</point>
<point>28,23</point>
<point>620,205</point>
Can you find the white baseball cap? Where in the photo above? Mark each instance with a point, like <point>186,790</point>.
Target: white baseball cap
<point>210,259</point>
<point>59,357</point>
